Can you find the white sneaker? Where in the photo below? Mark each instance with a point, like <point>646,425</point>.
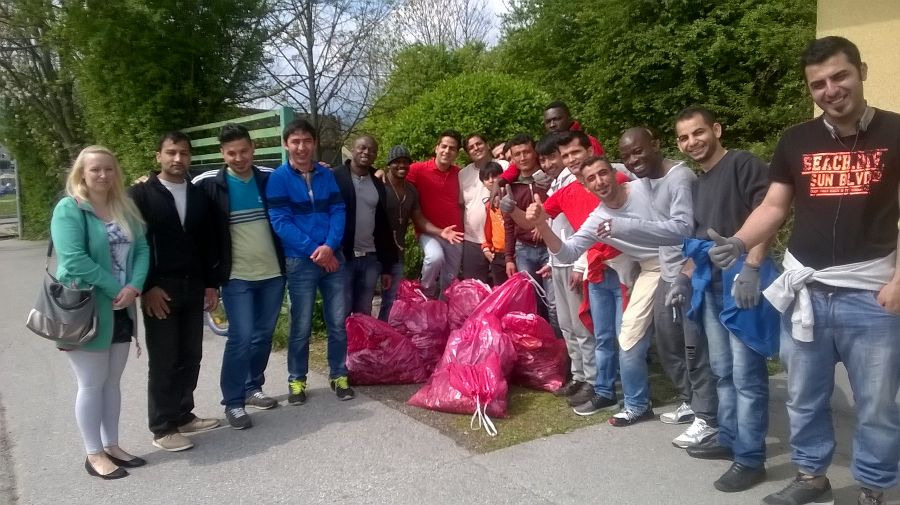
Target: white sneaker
<point>682,415</point>
<point>697,433</point>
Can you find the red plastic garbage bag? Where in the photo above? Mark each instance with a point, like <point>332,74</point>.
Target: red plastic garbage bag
<point>516,294</point>
<point>540,356</point>
<point>462,388</point>
<point>462,299</point>
<point>421,320</point>
<point>379,354</point>
<point>478,338</point>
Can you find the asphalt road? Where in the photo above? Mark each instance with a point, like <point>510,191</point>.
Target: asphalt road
<point>330,452</point>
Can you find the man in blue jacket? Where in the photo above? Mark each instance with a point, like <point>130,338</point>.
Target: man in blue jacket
<point>308,214</point>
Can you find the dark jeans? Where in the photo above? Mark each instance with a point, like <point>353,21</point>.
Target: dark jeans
<point>174,350</point>
<point>361,275</point>
<point>474,264</point>
<point>498,269</point>
<point>693,379</point>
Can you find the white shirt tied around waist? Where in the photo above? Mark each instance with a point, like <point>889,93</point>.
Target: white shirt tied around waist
<point>869,275</point>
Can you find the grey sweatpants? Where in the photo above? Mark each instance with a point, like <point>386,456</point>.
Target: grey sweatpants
<point>99,399</point>
<point>693,379</point>
<point>579,341</point>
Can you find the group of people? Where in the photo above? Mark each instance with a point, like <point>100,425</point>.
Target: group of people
<point>626,253</point>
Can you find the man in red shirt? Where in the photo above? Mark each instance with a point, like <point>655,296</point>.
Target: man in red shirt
<point>437,181</point>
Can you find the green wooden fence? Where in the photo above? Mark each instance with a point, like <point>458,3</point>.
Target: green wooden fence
<point>265,130</point>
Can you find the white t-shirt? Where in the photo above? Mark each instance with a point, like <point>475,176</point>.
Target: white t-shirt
<point>474,195</point>
<point>179,192</point>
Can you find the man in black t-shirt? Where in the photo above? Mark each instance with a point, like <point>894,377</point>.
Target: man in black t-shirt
<point>731,184</point>
<point>402,204</point>
<point>841,171</point>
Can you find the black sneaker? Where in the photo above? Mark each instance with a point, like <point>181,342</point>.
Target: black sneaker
<point>627,417</point>
<point>869,497</point>
<point>341,388</point>
<point>238,418</point>
<point>801,491</point>
<point>596,404</point>
<point>740,478</point>
<point>582,395</point>
<point>568,389</point>
<point>259,400</point>
<point>711,449</point>
<point>296,392</point>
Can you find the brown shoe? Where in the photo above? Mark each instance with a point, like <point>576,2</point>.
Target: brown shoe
<point>582,395</point>
<point>198,424</point>
<point>173,442</point>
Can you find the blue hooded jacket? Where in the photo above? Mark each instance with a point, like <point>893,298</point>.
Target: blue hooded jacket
<point>759,328</point>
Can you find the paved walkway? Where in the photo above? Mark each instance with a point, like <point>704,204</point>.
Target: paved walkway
<point>329,452</point>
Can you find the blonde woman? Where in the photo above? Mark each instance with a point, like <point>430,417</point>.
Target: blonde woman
<point>99,239</point>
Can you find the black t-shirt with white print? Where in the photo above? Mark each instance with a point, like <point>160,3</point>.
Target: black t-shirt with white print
<point>845,190</point>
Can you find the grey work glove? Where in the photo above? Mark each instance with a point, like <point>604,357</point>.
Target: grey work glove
<point>679,292</point>
<point>507,203</point>
<point>726,251</point>
<point>745,289</point>
<point>541,179</point>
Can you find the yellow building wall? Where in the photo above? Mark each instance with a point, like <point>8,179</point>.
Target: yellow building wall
<point>874,26</point>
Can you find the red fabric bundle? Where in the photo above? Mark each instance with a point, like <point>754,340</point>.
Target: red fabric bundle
<point>379,354</point>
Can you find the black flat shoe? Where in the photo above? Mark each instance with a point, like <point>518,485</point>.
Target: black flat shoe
<point>740,478</point>
<point>131,463</point>
<point>118,473</point>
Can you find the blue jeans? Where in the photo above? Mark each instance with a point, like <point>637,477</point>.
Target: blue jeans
<point>389,295</point>
<point>361,276</point>
<point>606,311</point>
<point>531,258</point>
<point>742,385</point>
<point>850,327</point>
<point>305,277</point>
<point>252,308</point>
<point>635,374</point>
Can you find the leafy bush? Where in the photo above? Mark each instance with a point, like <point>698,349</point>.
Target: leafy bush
<point>495,105</point>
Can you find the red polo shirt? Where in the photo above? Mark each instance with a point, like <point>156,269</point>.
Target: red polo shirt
<point>438,193</point>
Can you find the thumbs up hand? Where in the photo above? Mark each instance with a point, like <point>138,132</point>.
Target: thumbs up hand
<point>507,202</point>
<point>726,251</point>
<point>535,213</point>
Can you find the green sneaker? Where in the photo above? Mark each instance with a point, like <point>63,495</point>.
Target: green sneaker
<point>297,392</point>
<point>341,388</point>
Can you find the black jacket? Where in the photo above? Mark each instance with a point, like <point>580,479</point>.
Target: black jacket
<point>176,250</point>
<point>214,184</point>
<point>385,249</point>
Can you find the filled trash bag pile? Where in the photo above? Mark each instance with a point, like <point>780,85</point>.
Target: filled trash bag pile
<point>501,340</point>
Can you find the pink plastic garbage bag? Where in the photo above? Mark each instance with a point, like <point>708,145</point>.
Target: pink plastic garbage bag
<point>379,354</point>
<point>462,299</point>
<point>540,356</point>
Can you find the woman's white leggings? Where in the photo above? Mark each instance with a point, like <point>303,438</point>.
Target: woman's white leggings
<point>99,398</point>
